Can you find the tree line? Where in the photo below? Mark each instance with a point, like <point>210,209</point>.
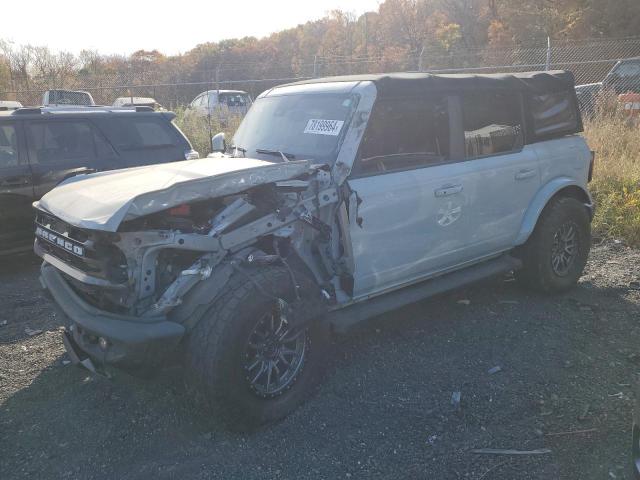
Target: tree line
<point>399,35</point>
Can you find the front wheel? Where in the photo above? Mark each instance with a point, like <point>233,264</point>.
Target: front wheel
<point>555,255</point>
<point>247,358</point>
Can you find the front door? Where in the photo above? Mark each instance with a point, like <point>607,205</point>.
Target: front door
<point>413,204</point>
<point>16,190</point>
<point>59,149</point>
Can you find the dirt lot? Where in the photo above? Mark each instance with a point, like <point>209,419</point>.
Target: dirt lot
<point>568,364</point>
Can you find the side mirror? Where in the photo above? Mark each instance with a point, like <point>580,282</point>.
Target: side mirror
<point>218,143</point>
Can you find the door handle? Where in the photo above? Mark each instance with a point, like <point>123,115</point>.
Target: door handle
<point>15,182</point>
<point>524,174</point>
<point>448,190</point>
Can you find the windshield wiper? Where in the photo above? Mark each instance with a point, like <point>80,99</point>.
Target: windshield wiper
<point>285,156</point>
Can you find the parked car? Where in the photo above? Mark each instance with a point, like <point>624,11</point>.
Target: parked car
<point>337,199</point>
<point>67,98</point>
<point>623,78</point>
<point>221,103</point>
<point>587,95</point>
<point>9,105</point>
<point>41,147</point>
<point>137,102</point>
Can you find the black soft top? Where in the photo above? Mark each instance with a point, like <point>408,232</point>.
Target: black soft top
<point>408,84</point>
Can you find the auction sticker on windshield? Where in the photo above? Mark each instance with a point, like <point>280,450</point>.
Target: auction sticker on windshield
<point>318,126</point>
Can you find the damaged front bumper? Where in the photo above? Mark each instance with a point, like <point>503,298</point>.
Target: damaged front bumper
<point>107,337</point>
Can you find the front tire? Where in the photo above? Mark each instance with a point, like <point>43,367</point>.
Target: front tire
<point>246,359</point>
<point>555,255</point>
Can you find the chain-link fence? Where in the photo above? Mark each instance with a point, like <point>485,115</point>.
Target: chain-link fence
<point>615,62</point>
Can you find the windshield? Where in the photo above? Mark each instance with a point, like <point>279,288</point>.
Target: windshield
<point>304,126</point>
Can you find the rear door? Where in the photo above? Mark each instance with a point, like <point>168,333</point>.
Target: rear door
<point>16,188</point>
<point>143,138</point>
<point>59,149</point>
<point>501,175</point>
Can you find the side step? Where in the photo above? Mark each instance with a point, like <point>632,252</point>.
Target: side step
<point>344,319</point>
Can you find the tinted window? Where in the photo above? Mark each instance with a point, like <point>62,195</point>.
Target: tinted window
<point>60,141</point>
<point>492,123</point>
<point>234,99</point>
<point>554,113</point>
<point>628,69</point>
<point>404,133</point>
<point>138,132</point>
<point>103,148</point>
<point>8,146</point>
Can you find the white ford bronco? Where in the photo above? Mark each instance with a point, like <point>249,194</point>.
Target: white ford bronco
<point>338,199</point>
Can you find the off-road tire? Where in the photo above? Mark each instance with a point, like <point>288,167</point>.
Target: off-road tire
<point>536,255</point>
<point>215,348</point>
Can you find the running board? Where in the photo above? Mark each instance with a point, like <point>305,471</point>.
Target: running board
<point>345,318</point>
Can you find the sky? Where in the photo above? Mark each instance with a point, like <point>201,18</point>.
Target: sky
<point>124,26</point>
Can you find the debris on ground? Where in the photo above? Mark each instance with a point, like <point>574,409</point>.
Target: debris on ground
<point>464,301</point>
<point>571,432</point>
<point>32,332</point>
<point>585,411</point>
<point>500,451</point>
<point>455,400</point>
<point>495,369</point>
<point>509,302</point>
<point>3,323</point>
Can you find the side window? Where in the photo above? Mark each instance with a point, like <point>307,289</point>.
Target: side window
<point>554,114</point>
<point>60,141</point>
<point>492,123</point>
<point>103,148</point>
<point>129,132</point>
<point>8,146</point>
<point>404,133</point>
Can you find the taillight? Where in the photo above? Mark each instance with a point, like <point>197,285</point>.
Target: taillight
<point>593,160</point>
<point>191,155</point>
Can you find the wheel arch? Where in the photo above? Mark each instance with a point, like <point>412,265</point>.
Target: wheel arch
<point>556,188</point>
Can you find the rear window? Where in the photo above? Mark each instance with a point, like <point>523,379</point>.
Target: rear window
<point>139,132</point>
<point>554,113</point>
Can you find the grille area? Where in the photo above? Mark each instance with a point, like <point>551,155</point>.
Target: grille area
<point>80,249</point>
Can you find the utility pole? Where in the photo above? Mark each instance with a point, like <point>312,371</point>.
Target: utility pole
<point>548,63</point>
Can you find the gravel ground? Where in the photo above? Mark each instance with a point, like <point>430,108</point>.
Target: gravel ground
<point>568,364</point>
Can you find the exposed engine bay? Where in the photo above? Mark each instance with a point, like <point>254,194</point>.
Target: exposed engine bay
<point>150,262</point>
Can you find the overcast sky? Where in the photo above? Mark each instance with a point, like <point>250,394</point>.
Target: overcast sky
<point>124,26</point>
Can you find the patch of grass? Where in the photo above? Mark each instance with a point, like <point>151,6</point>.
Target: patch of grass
<point>616,180</point>
<point>199,130</point>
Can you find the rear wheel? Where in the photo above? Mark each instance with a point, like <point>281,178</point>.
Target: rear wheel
<point>247,359</point>
<point>555,255</point>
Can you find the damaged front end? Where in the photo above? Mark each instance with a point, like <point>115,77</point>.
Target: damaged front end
<point>128,287</point>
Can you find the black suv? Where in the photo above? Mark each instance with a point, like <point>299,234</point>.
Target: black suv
<point>41,147</point>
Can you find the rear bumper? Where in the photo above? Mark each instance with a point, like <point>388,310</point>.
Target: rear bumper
<point>128,341</point>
